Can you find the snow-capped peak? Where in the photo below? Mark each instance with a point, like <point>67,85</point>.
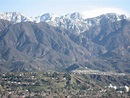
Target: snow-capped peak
<point>73,21</point>
<point>74,16</point>
<point>99,11</point>
<point>112,16</point>
<point>45,17</point>
<point>15,17</point>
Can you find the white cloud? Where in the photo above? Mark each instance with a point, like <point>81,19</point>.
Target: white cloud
<point>98,11</point>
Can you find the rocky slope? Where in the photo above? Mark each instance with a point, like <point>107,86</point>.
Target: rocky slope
<point>49,42</point>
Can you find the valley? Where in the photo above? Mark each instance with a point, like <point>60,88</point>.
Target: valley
<point>62,85</point>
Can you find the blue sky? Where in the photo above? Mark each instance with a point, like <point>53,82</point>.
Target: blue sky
<point>38,7</point>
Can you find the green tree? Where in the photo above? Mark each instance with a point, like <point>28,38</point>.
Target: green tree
<point>1,89</point>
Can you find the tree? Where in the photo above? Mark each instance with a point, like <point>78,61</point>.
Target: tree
<point>1,89</point>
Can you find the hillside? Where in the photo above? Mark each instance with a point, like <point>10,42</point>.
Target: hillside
<point>55,85</point>
<point>66,42</point>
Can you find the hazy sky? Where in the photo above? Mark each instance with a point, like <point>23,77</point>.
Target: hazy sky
<point>87,7</point>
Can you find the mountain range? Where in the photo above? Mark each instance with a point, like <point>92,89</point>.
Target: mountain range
<point>58,43</point>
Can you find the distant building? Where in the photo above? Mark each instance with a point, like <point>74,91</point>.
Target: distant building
<point>111,86</point>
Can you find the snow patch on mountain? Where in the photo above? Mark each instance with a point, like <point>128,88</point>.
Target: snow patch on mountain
<point>99,11</point>
<point>74,22</point>
<point>45,17</point>
<point>15,17</point>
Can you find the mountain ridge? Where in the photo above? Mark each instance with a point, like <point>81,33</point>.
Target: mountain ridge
<point>100,43</point>
<point>74,15</point>
<point>72,21</point>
